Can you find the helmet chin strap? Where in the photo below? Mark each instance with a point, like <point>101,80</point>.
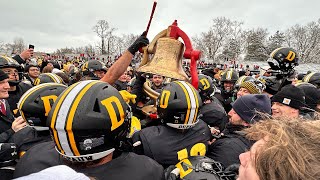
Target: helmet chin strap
<point>13,83</point>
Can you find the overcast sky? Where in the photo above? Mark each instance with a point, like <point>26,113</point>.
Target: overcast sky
<point>52,24</point>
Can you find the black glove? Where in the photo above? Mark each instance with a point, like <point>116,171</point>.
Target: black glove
<point>169,175</point>
<point>8,154</point>
<point>139,43</point>
<point>232,169</point>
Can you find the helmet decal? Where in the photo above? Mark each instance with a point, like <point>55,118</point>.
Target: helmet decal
<point>164,100</point>
<point>35,104</point>
<point>205,83</point>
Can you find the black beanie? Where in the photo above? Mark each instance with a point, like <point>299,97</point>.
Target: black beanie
<point>291,96</point>
<point>249,106</point>
<point>312,94</point>
<point>3,75</point>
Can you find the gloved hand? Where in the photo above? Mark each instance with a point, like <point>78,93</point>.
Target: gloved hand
<point>172,173</point>
<point>8,153</point>
<point>233,168</point>
<point>128,96</point>
<point>139,43</point>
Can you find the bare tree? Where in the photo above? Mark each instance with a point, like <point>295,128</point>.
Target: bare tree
<point>306,40</point>
<point>223,30</point>
<point>105,33</point>
<point>16,47</point>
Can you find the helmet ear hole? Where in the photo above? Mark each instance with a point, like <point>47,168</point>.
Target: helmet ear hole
<point>96,107</point>
<point>37,99</point>
<point>175,95</point>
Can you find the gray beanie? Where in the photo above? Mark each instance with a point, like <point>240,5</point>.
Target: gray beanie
<point>248,106</point>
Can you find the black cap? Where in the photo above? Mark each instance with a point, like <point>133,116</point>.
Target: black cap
<point>291,96</point>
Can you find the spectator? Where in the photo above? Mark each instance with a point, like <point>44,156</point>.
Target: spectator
<point>285,149</point>
<point>245,111</point>
<point>289,101</point>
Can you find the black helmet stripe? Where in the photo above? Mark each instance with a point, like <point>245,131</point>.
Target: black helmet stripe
<point>55,116</point>
<point>192,102</point>
<point>66,115</point>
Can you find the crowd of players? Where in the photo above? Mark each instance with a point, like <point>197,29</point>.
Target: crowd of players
<point>84,120</point>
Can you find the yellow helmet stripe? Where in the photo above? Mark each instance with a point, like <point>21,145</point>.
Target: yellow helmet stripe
<point>197,104</point>
<point>71,116</point>
<point>55,114</point>
<point>6,58</point>
<point>308,76</point>
<point>274,52</point>
<point>187,99</point>
<point>52,76</point>
<point>193,102</point>
<point>62,115</point>
<point>25,96</point>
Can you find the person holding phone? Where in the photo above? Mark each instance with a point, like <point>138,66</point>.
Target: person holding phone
<point>24,55</point>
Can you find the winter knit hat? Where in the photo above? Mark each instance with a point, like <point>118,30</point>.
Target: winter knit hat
<point>3,75</point>
<point>249,106</point>
<point>311,92</point>
<point>292,96</point>
<point>254,87</point>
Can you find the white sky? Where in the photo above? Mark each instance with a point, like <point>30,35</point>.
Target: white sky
<point>52,24</point>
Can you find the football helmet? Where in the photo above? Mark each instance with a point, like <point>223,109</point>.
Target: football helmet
<point>273,85</point>
<point>35,104</point>
<point>89,120</point>
<point>206,87</point>
<point>201,167</point>
<point>313,78</point>
<point>230,75</point>
<point>243,79</point>
<point>90,66</point>
<point>284,59</point>
<point>178,105</point>
<point>8,62</point>
<point>48,78</point>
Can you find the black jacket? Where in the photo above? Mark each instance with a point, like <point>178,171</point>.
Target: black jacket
<point>228,148</point>
<point>5,125</point>
<point>214,114</point>
<point>14,96</point>
<point>18,59</point>
<point>226,99</point>
<point>29,137</point>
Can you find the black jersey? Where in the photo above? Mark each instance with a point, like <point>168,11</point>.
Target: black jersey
<point>37,158</point>
<point>28,137</point>
<point>167,145</point>
<point>126,166</point>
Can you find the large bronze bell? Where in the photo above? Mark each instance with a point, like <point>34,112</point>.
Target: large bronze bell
<point>167,60</point>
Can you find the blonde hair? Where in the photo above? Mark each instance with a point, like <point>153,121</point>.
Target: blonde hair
<point>291,151</point>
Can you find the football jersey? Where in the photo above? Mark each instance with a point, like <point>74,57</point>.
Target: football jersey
<point>167,145</point>
<point>126,166</point>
